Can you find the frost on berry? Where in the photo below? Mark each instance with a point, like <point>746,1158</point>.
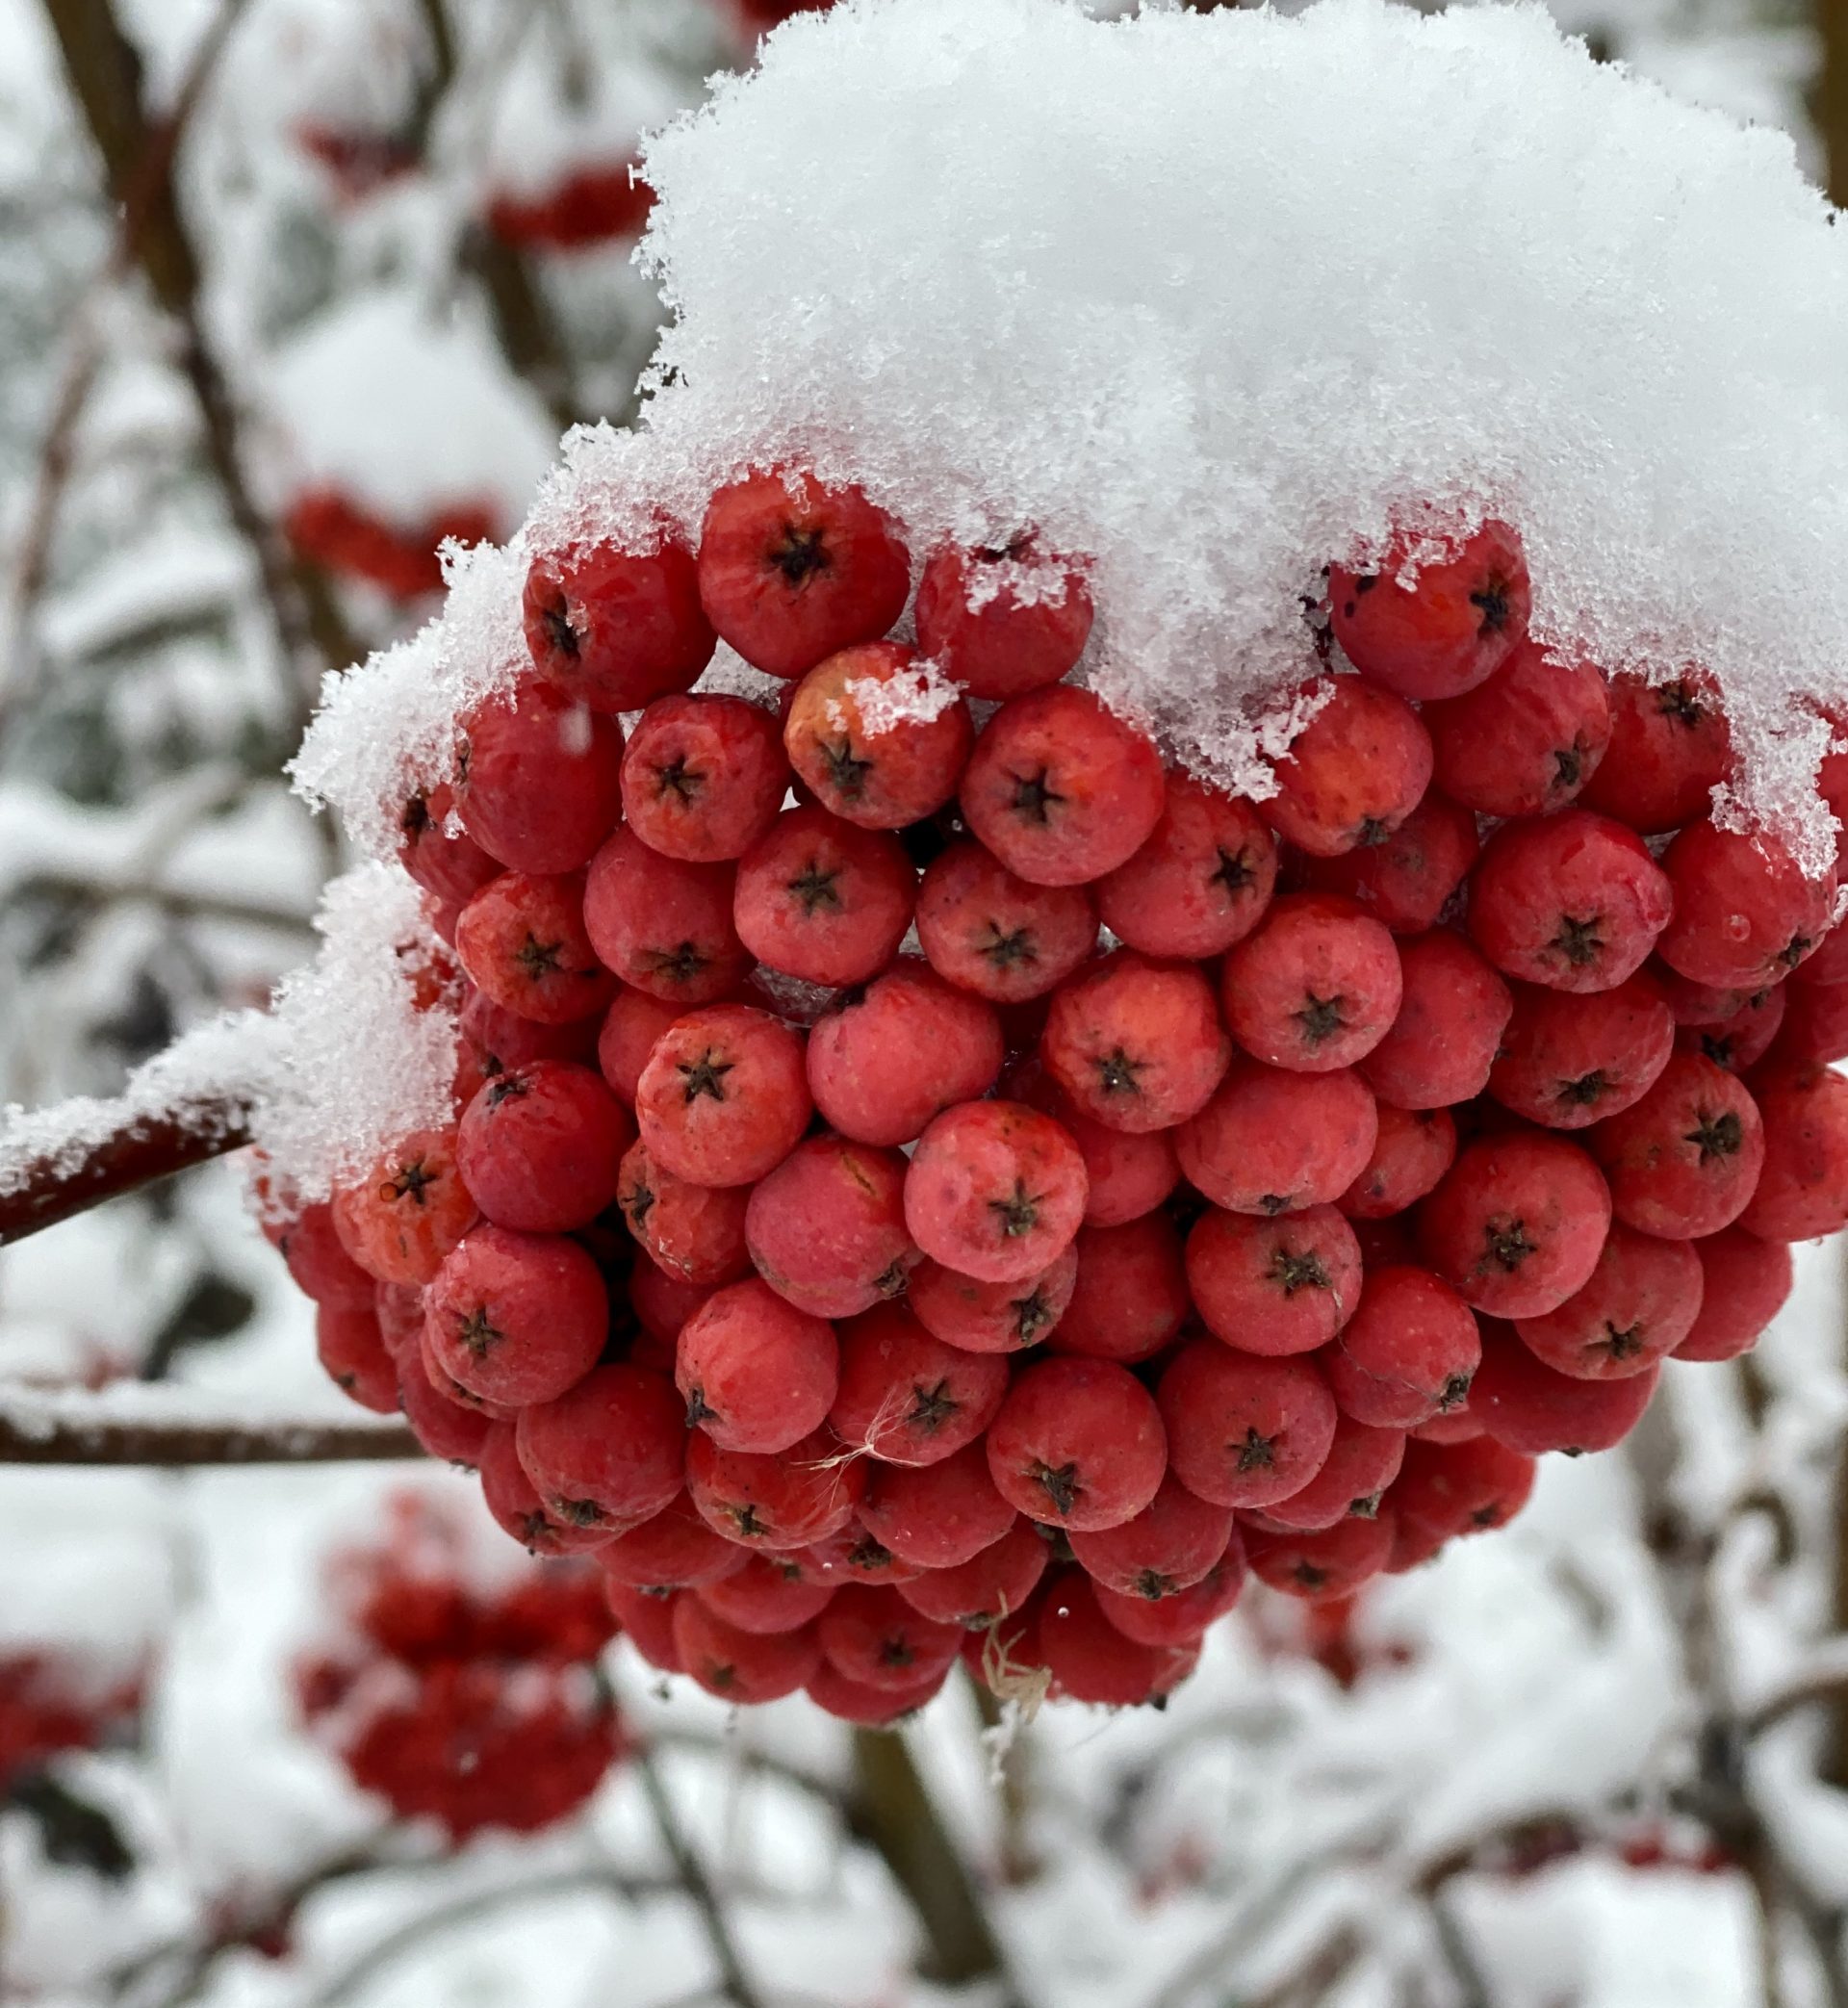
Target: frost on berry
<point>408,1211</point>
<point>1353,774</point>
<point>517,1318</point>
<point>1745,912</point>
<point>607,1453</point>
<point>1004,619</point>
<point>1244,1430</point>
<point>800,1496</point>
<point>524,944</point>
<point>1318,986</point>
<point>539,1147</point>
<point>663,925</point>
<point>724,1097</point>
<point>1130,1174</point>
<point>703,777</point>
<point>875,740</point>
<point>1433,623</point>
<point>1136,1045</point>
<point>627,1035</point>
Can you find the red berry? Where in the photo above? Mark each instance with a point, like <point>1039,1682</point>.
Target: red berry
<point>1060,789</point>
<point>1130,1174</point>
<point>1002,622</point>
<point>1181,1619</point>
<point>985,929</point>
<point>869,1707</point>
<point>1459,1427</point>
<point>1517,1223</point>
<point>1684,1160</point>
<point>980,1317</point>
<point>662,1301</point>
<point>672,1550</point>
<point>1526,742</point>
<point>634,1021</point>
<point>872,1636</point>
<point>1270,1140</point>
<point>539,1145</point>
<point>1353,774</point>
<point>404,1216</point>
<point>1745,916</point>
<point>938,1515</point>
<point>1137,1045</point>
<point>1241,1430</point>
<point>1363,1460</point>
<point>450,1388</point>
<point>1745,1282</point>
<point>1130,1298</point>
<point>607,1453</point>
<point>1316,986</point>
<point>769,1593</point>
<point>1078,1443</point>
<point>1640,1303</point>
<point>826,1229</point>
<point>616,629</point>
<point>1409,877</point>
<point>1323,1565</point>
<point>524,944</point>
<point>747,1667</point>
<point>446,1428</point>
<point>1741,1039</point>
<point>540,787</point>
<point>319,1264</point>
<point>994,1585</point>
<point>515,1505</point>
<point>1433,628</point>
<point>517,1318</point>
<point>1530,1408</point>
<point>449,866</point>
<point>352,1356</point>
<point>854,1555</point>
<point>758,1375</point>
<point>1272,1286</point>
<point>1407,1353</point>
<point>1815,1024</point>
<point>647,1620</point>
<point>1175,1542</point>
<point>1801,1192</point>
<point>663,925</point>
<point>1413,1150</point>
<point>1569,1060</point>
<point>1572,901</point>
<point>1201,882</point>
<point>1460,1489</point>
<point>724,1097</point>
<point>703,777</point>
<point>1669,750</point>
<point>821,900</point>
<point>1443,1043</point>
<point>792,570</point>
<point>908,1398</point>
<point>995,1191</point>
<point>500,1038</point>
<point>901,1051</point>
<point>809,1492</point>
<point>694,1232</point>
<point>1089,1658</point>
<point>873,741</point>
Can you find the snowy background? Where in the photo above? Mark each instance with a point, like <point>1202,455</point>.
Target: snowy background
<point>348,311</point>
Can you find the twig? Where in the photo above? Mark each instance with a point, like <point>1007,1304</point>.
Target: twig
<point>78,1427</point>
<point>690,1871</point>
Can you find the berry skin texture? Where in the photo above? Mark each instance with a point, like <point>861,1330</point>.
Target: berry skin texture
<point>1089,1658</point>
<point>792,570</point>
<point>724,1097</point>
<point>1077,1443</point>
<point>1414,1149</point>
<point>1517,1224</point>
<point>614,629</point>
<point>401,1220</point>
<point>937,1516</point>
<point>826,1229</point>
<point>444,1428</point>
<point>646,1622</point>
<point>903,1050</point>
<point>857,739</point>
<point>500,1039</point>
<point>1363,1461</point>
<point>663,925</point>
<point>755,1373</point>
<point>869,1708</point>
<point>1567,1062</point>
<point>1137,1045</point>
<point>744,1668</point>
<point>1740,1039</point>
<point>1409,877</point>
<point>1571,902</point>
<point>804,1495</point>
<point>626,1037</point>
<point>606,1453</point>
<point>524,944</point>
<point>1175,1542</point>
<point>819,899</point>
<point>1130,1298</point>
<point>1803,1190</point>
<point>352,1356</point>
<point>1815,1024</point>
<point>1060,789</point>
<point>994,1585</point>
<point>1322,1567</point>
<point>450,867</point>
<point>1669,750</point>
<point>1179,1620</point>
<point>871,1636</point>
<point>703,777</point>
<point>674,1549</point>
<point>1316,986</point>
<point>905,1396</point>
<point>517,1318</point>
<point>541,784</point>
<point>1243,1431</point>
<point>768,1594</point>
<point>1640,1303</point>
<point>1461,1488</point>
<point>511,1499</point>
<point>1745,916</point>
<point>1271,1142</point>
<point>1441,1046</point>
<point>318,1264</point>
<point>1533,1408</point>
<point>1201,882</point>
<point>1408,1352</point>
<point>995,1191</point>
<point>1526,742</point>
<point>1746,1283</point>
<point>693,1233</point>
<point>1450,629</point>
<point>978,1317</point>
<point>1271,1287</point>
<point>988,636</point>
<point>1685,1159</point>
<point>1353,774</point>
<point>1130,1176</point>
<point>985,930</point>
<point>540,1146</point>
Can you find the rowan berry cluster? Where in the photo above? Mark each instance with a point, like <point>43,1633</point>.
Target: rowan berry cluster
<point>931,1181</point>
<point>473,1704</point>
<point>50,1703</point>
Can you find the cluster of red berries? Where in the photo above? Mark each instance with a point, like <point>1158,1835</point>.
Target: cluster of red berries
<point>1011,1296</point>
<point>49,1704</point>
<point>329,529</point>
<point>469,1704</point>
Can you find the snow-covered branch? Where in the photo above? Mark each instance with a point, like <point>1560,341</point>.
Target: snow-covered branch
<point>133,1423</point>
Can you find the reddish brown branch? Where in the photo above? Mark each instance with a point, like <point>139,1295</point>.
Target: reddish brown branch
<point>62,1434</point>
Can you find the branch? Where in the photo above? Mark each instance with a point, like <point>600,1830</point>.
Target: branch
<point>690,1872</point>
<point>147,1425</point>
